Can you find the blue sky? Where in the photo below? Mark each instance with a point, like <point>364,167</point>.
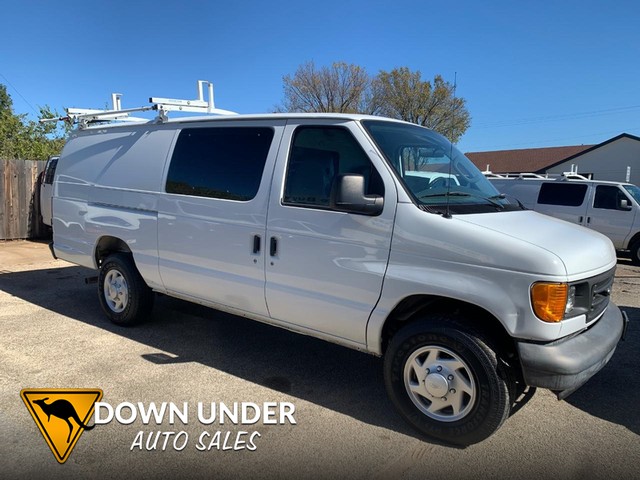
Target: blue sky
<point>534,74</point>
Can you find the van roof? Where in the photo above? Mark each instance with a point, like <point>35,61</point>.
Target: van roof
<point>558,179</point>
<point>253,116</point>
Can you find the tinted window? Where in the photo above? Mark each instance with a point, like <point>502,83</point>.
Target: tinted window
<point>318,155</point>
<point>566,194</point>
<point>608,197</point>
<point>50,170</point>
<point>219,162</point>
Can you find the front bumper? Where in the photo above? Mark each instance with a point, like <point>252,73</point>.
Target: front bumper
<point>566,364</point>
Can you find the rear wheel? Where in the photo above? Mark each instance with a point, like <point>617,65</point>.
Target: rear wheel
<point>124,296</point>
<point>447,382</point>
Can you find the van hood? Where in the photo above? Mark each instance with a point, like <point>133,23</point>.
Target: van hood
<point>580,249</point>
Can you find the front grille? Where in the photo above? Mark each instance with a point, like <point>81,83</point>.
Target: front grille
<point>600,294</point>
<point>592,295</point>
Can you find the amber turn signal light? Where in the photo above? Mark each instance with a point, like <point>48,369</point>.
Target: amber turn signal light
<point>549,300</point>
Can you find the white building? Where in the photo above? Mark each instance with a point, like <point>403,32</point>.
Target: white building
<point>616,159</point>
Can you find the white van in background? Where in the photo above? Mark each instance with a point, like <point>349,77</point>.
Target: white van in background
<point>610,208</point>
<point>46,190</point>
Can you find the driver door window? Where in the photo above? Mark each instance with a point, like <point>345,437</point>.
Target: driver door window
<point>318,155</point>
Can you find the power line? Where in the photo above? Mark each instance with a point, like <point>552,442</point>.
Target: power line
<point>21,96</point>
<point>555,118</point>
<point>537,143</point>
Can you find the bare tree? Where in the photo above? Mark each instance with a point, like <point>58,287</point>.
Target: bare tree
<point>339,88</point>
<point>400,93</point>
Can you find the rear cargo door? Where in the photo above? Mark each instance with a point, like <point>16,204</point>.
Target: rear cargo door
<point>325,268</point>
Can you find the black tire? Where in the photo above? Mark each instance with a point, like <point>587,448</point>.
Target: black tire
<point>483,390</point>
<point>124,296</point>
<point>635,252</point>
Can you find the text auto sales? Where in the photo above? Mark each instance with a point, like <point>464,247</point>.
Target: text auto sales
<point>219,413</point>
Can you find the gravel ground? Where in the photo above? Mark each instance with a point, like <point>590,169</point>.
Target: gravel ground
<point>55,336</point>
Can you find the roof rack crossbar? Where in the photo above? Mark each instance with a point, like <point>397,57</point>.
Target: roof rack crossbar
<point>84,116</point>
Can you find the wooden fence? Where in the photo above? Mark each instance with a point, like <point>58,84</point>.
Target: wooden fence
<point>20,200</point>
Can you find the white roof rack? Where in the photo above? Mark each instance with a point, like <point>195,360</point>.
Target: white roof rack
<point>84,116</point>
<point>572,176</point>
<point>524,175</point>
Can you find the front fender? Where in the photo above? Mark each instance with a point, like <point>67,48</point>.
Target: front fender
<point>502,293</point>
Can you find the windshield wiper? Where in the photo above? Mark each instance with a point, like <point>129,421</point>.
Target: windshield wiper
<point>491,200</point>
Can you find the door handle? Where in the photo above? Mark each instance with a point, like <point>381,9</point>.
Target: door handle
<point>588,220</point>
<point>581,218</point>
<point>256,244</point>
<point>273,246</point>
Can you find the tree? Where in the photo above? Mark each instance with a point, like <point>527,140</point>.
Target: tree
<point>400,93</point>
<point>27,139</point>
<point>340,88</point>
<point>404,95</point>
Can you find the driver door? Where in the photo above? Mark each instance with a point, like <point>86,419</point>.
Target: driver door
<point>325,268</point>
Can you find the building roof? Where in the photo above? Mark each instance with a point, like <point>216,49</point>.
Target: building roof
<point>525,160</point>
<point>536,160</point>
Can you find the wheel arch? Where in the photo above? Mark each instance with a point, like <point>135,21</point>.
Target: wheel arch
<point>634,240</point>
<point>634,248</point>
<point>107,245</point>
<point>415,308</point>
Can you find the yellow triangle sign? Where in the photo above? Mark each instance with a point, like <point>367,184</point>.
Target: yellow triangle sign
<point>61,415</point>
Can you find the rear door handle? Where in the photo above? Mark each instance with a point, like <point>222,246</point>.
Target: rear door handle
<point>273,246</point>
<point>256,243</point>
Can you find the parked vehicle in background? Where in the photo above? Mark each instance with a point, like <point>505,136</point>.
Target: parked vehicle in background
<point>368,232</point>
<point>610,208</point>
<point>46,189</point>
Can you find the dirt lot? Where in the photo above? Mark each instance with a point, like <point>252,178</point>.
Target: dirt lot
<point>55,336</point>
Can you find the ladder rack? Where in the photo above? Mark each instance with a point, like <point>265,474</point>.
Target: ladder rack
<point>85,116</point>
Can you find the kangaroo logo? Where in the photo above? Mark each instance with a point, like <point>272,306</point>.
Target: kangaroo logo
<point>61,415</point>
<point>64,410</point>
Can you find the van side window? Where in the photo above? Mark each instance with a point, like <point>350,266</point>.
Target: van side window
<point>219,162</point>
<point>608,197</point>
<point>565,194</point>
<point>317,156</point>
<point>50,170</point>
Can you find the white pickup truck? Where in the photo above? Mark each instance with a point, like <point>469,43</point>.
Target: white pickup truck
<point>368,232</point>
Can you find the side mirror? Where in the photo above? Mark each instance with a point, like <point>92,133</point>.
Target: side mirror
<point>347,195</point>
<point>624,205</point>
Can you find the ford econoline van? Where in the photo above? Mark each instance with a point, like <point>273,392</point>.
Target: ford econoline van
<point>610,208</point>
<point>372,233</point>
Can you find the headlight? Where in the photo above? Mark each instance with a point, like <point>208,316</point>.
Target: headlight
<point>550,300</point>
<point>571,300</point>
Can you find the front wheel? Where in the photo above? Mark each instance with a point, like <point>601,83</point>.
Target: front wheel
<point>124,296</point>
<point>635,253</point>
<point>446,382</point>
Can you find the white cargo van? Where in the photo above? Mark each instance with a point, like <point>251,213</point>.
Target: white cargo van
<point>610,208</point>
<point>322,224</point>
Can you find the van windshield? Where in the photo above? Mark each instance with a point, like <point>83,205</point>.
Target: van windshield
<point>634,191</point>
<point>434,172</point>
